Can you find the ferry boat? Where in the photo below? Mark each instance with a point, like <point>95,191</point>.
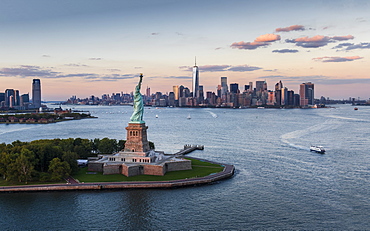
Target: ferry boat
<point>318,149</point>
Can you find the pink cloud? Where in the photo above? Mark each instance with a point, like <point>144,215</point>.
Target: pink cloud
<point>248,45</point>
<point>268,38</point>
<point>317,38</point>
<point>342,38</point>
<point>327,59</point>
<point>261,41</point>
<point>317,41</point>
<point>290,28</point>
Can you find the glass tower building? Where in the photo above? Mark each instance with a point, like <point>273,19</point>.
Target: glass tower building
<point>36,93</point>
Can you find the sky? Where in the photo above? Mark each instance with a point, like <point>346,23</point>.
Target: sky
<point>95,47</point>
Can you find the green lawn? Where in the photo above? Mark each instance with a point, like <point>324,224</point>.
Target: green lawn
<point>7,183</point>
<point>200,169</point>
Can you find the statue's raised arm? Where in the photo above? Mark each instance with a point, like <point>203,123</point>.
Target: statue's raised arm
<point>137,115</point>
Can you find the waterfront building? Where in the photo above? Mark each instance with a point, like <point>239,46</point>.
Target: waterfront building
<point>261,86</point>
<point>16,98</point>
<point>219,91</point>
<point>171,99</point>
<point>201,95</point>
<point>234,88</point>
<point>9,98</point>
<point>25,100</point>
<point>195,82</point>
<point>2,99</point>
<point>306,92</point>
<point>36,93</point>
<point>224,88</point>
<point>278,93</point>
<point>147,91</point>
<point>176,92</point>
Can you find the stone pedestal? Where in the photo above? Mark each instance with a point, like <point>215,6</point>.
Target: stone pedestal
<point>137,140</point>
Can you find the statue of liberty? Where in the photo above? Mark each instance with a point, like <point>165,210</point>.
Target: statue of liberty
<point>137,115</point>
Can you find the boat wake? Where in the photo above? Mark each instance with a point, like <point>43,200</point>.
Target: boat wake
<point>297,135</point>
<point>346,118</point>
<point>16,130</point>
<point>214,115</point>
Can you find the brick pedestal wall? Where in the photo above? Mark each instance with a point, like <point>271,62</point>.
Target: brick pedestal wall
<point>137,140</point>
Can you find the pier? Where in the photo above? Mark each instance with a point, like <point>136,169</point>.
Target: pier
<point>188,149</point>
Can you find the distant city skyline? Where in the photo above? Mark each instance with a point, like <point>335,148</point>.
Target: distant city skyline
<point>96,47</point>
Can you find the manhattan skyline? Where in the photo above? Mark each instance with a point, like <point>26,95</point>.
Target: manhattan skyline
<point>95,47</point>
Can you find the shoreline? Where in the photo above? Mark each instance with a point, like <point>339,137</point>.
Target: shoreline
<point>227,172</point>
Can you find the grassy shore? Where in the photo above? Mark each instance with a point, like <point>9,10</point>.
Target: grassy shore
<point>7,183</point>
<point>199,169</point>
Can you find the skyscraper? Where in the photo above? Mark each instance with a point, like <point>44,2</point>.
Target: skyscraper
<point>306,92</point>
<point>195,81</point>
<point>9,101</point>
<point>261,85</point>
<point>36,93</point>
<point>234,88</point>
<point>278,92</point>
<point>224,88</point>
<point>176,92</point>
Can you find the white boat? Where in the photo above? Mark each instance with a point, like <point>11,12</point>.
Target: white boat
<point>156,116</point>
<point>318,149</point>
<point>188,117</point>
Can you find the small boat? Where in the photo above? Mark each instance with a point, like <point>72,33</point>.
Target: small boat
<point>156,116</point>
<point>318,149</point>
<point>355,108</point>
<point>188,117</point>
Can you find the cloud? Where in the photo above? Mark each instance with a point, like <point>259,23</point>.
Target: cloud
<point>317,41</point>
<point>342,38</point>
<point>285,51</point>
<point>290,28</point>
<point>25,71</point>
<point>95,58</point>
<point>248,45</point>
<point>351,46</point>
<point>220,68</point>
<point>243,68</point>
<point>214,68</point>
<point>177,77</point>
<point>155,33</point>
<point>316,79</point>
<point>268,38</point>
<point>45,56</point>
<point>327,59</point>
<point>75,65</point>
<point>261,41</point>
<point>113,70</point>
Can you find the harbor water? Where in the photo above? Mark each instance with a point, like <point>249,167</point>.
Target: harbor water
<point>278,184</point>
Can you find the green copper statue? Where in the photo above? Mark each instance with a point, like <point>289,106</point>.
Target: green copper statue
<point>137,115</point>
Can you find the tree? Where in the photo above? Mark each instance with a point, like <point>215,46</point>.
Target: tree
<point>59,169</point>
<point>5,160</point>
<point>71,159</point>
<point>20,169</point>
<point>121,145</point>
<point>107,145</point>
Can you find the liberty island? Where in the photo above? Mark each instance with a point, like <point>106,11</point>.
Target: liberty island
<point>138,158</point>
